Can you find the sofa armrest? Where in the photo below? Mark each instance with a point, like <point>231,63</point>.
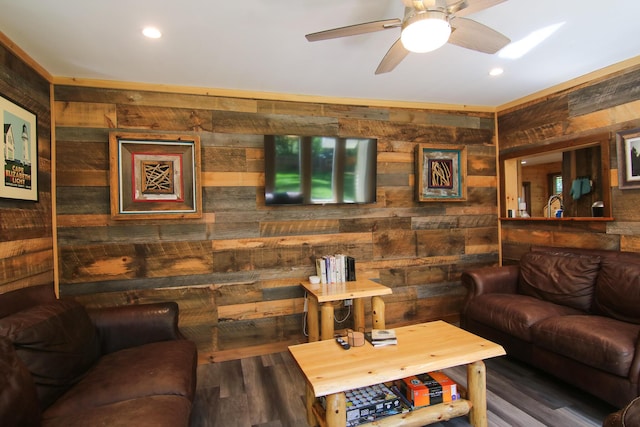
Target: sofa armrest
<point>133,325</point>
<point>487,280</point>
<point>23,298</point>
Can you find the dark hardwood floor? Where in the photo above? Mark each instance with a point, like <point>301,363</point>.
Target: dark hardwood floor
<point>268,391</point>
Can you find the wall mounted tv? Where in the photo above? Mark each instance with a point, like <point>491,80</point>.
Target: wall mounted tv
<point>301,170</point>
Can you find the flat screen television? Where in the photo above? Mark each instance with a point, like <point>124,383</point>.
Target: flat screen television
<point>304,170</point>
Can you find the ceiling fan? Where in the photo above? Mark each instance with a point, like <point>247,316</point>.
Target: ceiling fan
<point>426,26</point>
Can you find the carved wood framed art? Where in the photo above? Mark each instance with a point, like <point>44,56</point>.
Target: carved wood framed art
<point>155,176</point>
<point>441,172</point>
<point>19,154</point>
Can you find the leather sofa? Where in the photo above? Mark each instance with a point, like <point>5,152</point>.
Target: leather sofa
<point>63,365</point>
<point>574,313</point>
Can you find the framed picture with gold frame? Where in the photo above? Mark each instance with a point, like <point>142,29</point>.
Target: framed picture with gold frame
<point>155,176</point>
<point>441,172</point>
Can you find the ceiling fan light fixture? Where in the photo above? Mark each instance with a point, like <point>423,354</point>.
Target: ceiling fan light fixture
<point>151,32</point>
<point>425,31</point>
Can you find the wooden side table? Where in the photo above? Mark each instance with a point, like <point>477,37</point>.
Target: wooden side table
<point>322,296</point>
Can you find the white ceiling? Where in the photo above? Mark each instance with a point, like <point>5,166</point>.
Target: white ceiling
<point>260,46</point>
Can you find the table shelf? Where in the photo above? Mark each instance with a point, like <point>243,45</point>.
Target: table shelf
<point>415,418</point>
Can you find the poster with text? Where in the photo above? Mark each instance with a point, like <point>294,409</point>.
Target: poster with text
<point>19,156</point>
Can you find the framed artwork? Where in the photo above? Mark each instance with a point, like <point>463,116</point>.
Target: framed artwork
<point>441,173</point>
<point>155,176</point>
<point>19,156</point>
<point>628,143</point>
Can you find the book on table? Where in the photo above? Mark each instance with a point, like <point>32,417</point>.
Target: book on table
<point>428,389</point>
<point>338,268</point>
<point>370,403</point>
<point>382,337</point>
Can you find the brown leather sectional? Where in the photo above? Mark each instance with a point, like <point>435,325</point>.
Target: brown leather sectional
<point>61,365</point>
<point>574,313</point>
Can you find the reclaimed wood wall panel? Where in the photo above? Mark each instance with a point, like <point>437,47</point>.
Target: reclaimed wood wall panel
<point>242,262</point>
<point>608,104</point>
<point>156,99</point>
<point>609,93</point>
<point>26,228</point>
<point>85,114</point>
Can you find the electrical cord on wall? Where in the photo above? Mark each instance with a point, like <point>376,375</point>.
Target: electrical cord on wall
<point>345,318</point>
<point>304,317</point>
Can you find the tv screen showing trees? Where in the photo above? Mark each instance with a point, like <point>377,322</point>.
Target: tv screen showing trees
<point>319,170</point>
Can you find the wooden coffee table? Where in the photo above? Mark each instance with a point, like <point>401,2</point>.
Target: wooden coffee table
<point>356,291</point>
<point>330,371</point>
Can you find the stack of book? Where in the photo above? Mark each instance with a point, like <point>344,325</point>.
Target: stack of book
<point>428,389</point>
<point>371,403</point>
<point>337,268</point>
<point>382,337</point>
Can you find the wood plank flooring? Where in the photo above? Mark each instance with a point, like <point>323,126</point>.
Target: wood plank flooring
<point>268,391</point>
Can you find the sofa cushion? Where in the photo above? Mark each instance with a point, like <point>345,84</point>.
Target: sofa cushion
<point>166,367</point>
<point>559,278</point>
<point>601,342</point>
<point>18,398</point>
<point>157,411</point>
<point>56,341</point>
<point>617,292</point>
<point>514,314</point>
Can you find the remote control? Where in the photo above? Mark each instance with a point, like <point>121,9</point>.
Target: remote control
<point>342,343</point>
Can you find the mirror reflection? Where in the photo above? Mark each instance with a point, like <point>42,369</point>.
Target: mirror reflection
<point>567,182</point>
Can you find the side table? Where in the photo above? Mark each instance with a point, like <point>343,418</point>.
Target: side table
<point>323,295</point>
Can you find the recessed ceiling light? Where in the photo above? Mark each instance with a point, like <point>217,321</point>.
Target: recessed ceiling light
<point>152,32</point>
<point>496,71</point>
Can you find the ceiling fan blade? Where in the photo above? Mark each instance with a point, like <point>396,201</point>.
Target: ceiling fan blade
<point>473,6</point>
<point>352,30</point>
<point>476,36</point>
<point>394,56</point>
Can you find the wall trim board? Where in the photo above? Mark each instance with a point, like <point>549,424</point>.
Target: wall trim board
<point>54,190</point>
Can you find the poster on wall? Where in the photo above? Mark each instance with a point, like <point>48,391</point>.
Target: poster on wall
<point>19,154</point>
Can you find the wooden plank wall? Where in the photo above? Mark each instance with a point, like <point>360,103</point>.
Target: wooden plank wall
<point>26,243</point>
<point>235,271</point>
<point>608,104</point>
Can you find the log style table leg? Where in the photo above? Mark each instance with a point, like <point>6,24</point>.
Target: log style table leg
<point>309,402</point>
<point>326,321</point>
<point>477,390</point>
<point>377,311</point>
<point>312,319</point>
<point>336,413</point>
<point>358,315</point>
